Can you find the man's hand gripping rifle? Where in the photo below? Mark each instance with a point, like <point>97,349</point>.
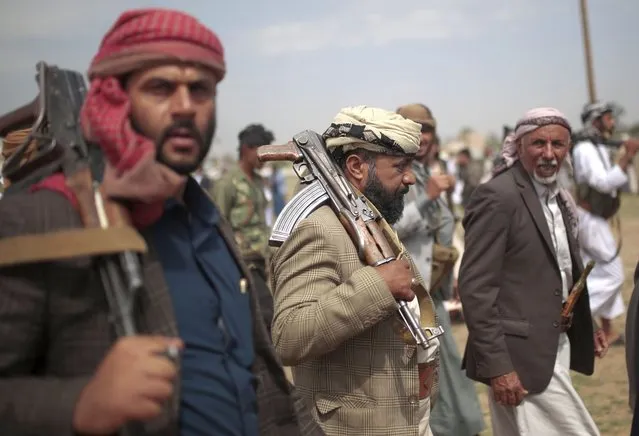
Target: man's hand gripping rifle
<point>327,184</point>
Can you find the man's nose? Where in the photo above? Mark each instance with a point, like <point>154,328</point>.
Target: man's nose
<point>183,102</point>
<point>548,151</point>
<point>409,178</point>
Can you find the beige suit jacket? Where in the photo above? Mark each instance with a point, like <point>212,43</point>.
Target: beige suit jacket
<point>335,325</point>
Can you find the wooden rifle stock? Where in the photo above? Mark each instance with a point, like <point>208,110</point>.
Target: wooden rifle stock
<point>573,296</point>
<point>286,152</point>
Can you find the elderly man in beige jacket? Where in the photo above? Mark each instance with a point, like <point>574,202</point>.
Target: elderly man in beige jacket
<point>335,318</point>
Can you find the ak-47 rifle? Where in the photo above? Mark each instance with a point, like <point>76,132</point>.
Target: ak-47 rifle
<point>573,296</point>
<point>326,183</point>
<point>107,234</point>
<point>585,135</point>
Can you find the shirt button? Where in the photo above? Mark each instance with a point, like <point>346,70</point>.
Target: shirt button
<point>557,292</point>
<point>413,400</point>
<point>555,324</point>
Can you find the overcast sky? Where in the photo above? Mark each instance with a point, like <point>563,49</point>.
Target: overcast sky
<point>293,64</point>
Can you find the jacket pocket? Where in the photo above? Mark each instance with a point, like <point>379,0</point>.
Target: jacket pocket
<point>327,402</point>
<point>515,327</point>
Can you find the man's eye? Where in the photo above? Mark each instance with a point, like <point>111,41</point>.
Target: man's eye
<point>161,87</point>
<point>199,88</point>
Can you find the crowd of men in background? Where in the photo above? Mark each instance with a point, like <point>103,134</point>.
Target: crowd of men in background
<point>222,312</point>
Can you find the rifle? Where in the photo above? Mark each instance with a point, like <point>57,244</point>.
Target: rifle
<point>107,235</point>
<point>61,148</point>
<point>326,183</point>
<point>584,135</point>
<point>573,296</point>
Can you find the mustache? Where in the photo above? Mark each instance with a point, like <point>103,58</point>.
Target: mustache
<point>181,127</point>
<point>547,162</point>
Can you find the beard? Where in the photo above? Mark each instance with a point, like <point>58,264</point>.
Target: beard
<point>546,180</point>
<point>390,204</point>
<point>203,141</point>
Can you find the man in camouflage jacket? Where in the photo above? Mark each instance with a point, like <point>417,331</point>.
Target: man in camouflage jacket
<point>240,198</point>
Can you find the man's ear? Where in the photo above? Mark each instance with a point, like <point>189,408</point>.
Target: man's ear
<point>357,170</point>
<point>520,145</point>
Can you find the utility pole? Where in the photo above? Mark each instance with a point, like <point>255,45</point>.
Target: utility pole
<point>590,75</point>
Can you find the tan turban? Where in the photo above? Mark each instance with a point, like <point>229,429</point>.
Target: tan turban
<point>418,113</point>
<point>373,129</point>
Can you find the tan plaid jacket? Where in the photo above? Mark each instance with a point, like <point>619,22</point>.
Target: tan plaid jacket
<point>334,324</point>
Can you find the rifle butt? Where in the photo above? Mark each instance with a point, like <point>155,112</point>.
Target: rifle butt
<point>286,152</point>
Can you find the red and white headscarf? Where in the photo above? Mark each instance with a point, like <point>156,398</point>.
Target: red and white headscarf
<point>139,38</point>
<point>531,121</point>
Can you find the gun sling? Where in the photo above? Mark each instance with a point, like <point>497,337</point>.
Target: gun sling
<point>65,244</point>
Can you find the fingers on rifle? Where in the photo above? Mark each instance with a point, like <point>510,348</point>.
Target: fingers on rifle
<point>158,390</point>
<point>161,368</point>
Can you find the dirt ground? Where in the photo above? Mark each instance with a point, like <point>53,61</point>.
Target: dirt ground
<point>606,391</point>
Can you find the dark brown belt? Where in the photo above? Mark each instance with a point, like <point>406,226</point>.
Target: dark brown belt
<point>426,378</point>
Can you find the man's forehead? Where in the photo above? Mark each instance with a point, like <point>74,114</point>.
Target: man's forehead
<point>178,72</point>
<point>393,159</point>
<point>551,130</point>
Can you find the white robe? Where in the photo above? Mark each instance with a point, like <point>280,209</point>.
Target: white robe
<point>592,166</point>
<point>557,411</point>
<point>424,356</point>
<point>605,281</point>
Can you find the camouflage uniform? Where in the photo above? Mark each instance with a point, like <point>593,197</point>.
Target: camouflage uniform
<point>241,201</point>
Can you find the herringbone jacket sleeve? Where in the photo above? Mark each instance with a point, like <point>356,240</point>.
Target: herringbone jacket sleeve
<point>486,226</point>
<point>33,404</point>
<point>317,310</point>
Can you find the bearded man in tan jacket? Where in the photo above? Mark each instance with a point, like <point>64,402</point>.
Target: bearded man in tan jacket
<point>336,318</point>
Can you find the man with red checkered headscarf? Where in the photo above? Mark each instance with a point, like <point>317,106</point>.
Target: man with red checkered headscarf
<point>151,110</point>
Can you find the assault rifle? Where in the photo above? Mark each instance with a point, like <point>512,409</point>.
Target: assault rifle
<point>60,148</point>
<point>582,135</point>
<point>326,184</point>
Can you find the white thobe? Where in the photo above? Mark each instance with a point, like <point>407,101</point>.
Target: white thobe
<point>606,279</point>
<point>592,166</point>
<point>558,410</point>
<point>424,356</point>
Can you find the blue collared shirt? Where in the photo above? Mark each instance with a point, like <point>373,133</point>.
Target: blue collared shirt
<point>213,318</point>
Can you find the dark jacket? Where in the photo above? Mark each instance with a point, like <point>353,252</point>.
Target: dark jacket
<point>54,332</point>
<point>632,329</point>
<point>510,287</point>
